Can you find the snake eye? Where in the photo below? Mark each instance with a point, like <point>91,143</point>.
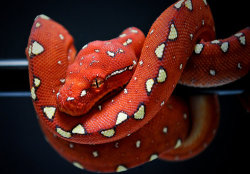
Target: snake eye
<point>97,83</point>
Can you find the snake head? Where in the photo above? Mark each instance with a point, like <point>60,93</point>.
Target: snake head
<point>99,68</point>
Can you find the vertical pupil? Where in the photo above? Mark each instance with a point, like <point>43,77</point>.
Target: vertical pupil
<point>96,82</point>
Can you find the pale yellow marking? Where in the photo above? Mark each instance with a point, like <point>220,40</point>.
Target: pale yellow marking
<point>33,93</point>
<point>63,133</point>
<point>49,111</point>
<point>173,32</point>
<point>108,133</point>
<point>178,144</point>
<point>36,48</point>
<point>140,113</point>
<point>37,82</point>
<point>121,168</point>
<point>79,129</point>
<point>121,118</point>
<point>153,157</point>
<point>78,165</point>
<point>160,50</point>
<point>149,85</point>
<point>162,75</point>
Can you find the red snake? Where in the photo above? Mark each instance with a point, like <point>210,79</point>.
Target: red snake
<point>109,108</point>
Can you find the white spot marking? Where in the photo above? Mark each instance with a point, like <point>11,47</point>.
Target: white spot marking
<point>78,165</point>
<point>180,66</point>
<point>121,117</point>
<point>191,36</point>
<point>189,5</point>
<point>97,51</point>
<point>198,48</point>
<point>38,24</point>
<point>153,157</point>
<point>162,103</point>
<point>125,91</point>
<point>140,113</point>
<point>43,17</point>
<point>108,133</point>
<point>71,145</point>
<point>49,111</point>
<point>79,129</point>
<point>165,130</point>
<point>138,144</point>
<point>123,35</point>
<point>151,31</point>
<point>178,144</point>
<point>141,62</point>
<point>100,107</point>
<point>121,168</point>
<point>212,72</point>
<point>185,116</point>
<point>95,154</point>
<point>162,75</point>
<point>160,50</point>
<point>70,98</point>
<point>59,62</point>
<point>215,42</point>
<point>83,93</point>
<point>134,31</point>
<point>224,46</point>
<point>37,82</point>
<point>239,66</point>
<point>242,40</point>
<point>33,93</point>
<point>62,80</point>
<point>63,133</point>
<point>205,2</point>
<point>85,46</point>
<point>173,32</point>
<point>149,85</point>
<point>111,53</point>
<point>61,36</point>
<point>128,41</point>
<point>178,4</point>
<point>36,48</point>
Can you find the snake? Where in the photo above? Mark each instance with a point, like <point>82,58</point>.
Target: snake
<point>109,107</point>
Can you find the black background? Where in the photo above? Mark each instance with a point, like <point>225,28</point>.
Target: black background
<point>22,146</point>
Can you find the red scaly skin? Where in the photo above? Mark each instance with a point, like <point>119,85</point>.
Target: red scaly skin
<point>142,122</point>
